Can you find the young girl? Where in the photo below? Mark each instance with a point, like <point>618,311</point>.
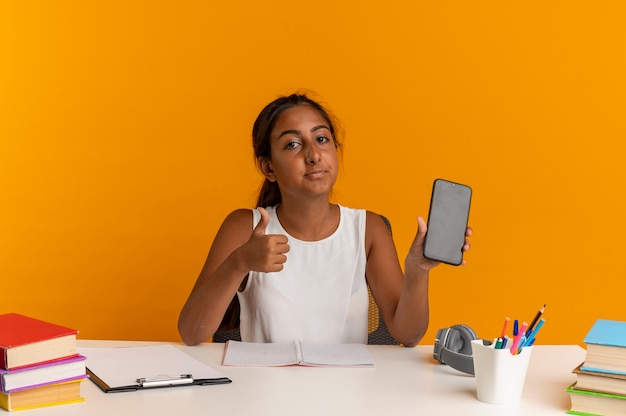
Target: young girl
<point>298,265</point>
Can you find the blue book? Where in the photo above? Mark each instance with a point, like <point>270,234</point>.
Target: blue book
<point>606,347</point>
<point>605,332</point>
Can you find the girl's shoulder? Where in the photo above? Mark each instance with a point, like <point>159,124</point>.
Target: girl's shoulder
<point>235,229</point>
<point>372,216</point>
<point>240,214</point>
<point>245,218</point>
<point>238,220</point>
<point>376,223</point>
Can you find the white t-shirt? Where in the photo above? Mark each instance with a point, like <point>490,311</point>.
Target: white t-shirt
<point>320,296</point>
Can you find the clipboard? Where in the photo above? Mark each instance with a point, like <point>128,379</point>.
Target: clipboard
<point>126,369</point>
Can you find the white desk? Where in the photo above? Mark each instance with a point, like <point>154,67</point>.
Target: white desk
<point>404,381</point>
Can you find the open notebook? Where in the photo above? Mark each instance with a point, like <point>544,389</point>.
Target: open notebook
<point>255,354</point>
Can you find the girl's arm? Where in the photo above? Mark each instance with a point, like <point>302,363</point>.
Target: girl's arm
<point>236,250</point>
<point>401,298</point>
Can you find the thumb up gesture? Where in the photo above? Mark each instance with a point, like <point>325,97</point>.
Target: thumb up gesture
<point>265,252</point>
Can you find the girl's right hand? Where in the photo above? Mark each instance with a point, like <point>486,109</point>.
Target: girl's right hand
<point>264,252</point>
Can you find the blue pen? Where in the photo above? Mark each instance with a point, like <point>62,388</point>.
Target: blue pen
<point>515,328</point>
<point>505,341</point>
<point>533,333</point>
<point>522,341</point>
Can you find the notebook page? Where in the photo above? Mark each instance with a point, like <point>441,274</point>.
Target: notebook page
<point>336,355</point>
<point>257,354</point>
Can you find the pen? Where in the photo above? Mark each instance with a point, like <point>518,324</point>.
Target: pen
<point>515,328</point>
<point>506,324</point>
<point>537,316</point>
<point>517,338</point>
<point>522,343</point>
<point>533,333</point>
<point>505,341</point>
<point>498,344</point>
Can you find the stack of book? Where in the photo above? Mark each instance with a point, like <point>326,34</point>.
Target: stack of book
<point>39,363</point>
<point>600,387</point>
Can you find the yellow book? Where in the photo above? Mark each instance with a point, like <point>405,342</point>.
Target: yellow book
<point>50,395</point>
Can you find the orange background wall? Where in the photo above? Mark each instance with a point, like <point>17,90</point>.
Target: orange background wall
<point>125,140</point>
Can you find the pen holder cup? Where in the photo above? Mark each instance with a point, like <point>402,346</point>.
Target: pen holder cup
<point>500,375</point>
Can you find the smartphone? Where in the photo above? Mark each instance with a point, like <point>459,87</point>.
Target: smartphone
<point>447,222</point>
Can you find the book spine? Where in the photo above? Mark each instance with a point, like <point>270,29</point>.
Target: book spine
<point>38,406</point>
<point>603,370</point>
<point>47,383</point>
<point>46,362</point>
<point>3,358</point>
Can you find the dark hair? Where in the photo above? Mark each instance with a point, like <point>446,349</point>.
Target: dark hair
<point>269,195</point>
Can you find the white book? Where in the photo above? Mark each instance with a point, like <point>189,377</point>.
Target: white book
<point>256,354</point>
<point>42,374</point>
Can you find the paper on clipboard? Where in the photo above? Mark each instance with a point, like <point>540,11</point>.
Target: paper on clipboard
<point>133,368</point>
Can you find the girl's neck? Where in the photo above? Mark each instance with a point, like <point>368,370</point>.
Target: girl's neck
<point>310,221</point>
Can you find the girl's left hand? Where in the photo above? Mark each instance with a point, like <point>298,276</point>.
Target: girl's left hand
<point>416,252</point>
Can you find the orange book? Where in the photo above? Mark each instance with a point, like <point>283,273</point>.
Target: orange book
<point>51,395</point>
<point>26,341</point>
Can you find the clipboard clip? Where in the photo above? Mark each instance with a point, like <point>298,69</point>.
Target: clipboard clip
<point>165,381</point>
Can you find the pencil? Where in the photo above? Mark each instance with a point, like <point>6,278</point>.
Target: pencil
<point>536,318</point>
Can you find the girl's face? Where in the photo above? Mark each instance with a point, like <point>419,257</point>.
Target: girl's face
<point>304,159</point>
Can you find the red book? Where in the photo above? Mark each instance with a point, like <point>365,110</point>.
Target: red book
<point>26,341</point>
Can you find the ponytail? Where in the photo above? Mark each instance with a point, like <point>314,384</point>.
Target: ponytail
<point>269,195</point>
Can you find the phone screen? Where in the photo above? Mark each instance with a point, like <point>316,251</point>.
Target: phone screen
<point>447,222</point>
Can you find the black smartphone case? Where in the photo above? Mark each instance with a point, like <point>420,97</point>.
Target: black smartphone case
<point>447,221</point>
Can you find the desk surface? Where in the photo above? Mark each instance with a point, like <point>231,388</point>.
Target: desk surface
<point>404,379</point>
